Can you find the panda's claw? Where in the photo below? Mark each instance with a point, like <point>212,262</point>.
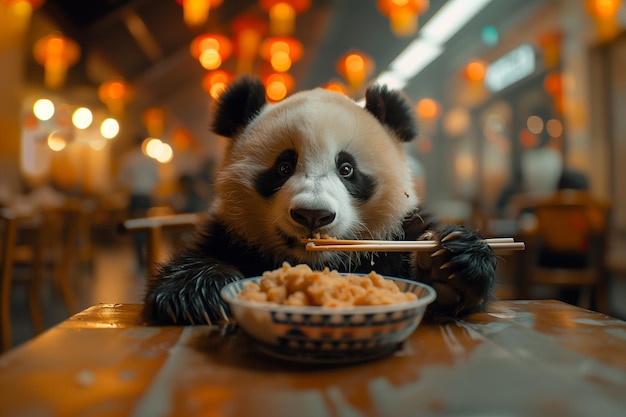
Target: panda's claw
<point>446,265</point>
<point>453,276</point>
<point>438,252</point>
<point>223,313</point>
<point>171,314</point>
<point>188,316</point>
<point>452,235</point>
<point>206,318</point>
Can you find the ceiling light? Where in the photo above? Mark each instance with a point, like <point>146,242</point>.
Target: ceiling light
<point>450,19</point>
<point>391,80</point>
<point>414,58</point>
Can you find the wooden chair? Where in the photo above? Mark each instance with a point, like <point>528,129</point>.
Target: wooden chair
<point>567,246</point>
<point>38,241</point>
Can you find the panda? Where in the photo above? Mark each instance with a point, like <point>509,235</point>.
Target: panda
<point>316,163</point>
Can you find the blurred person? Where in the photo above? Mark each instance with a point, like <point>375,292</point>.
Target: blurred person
<point>191,198</point>
<point>572,179</point>
<point>139,177</point>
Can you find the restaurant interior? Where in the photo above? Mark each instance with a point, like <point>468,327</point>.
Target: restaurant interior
<point>520,104</point>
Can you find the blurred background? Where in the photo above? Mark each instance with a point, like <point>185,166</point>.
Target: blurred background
<point>513,97</point>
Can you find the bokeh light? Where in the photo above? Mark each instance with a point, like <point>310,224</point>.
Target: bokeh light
<point>535,124</point>
<point>56,142</point>
<point>554,128</point>
<point>82,118</point>
<point>43,109</point>
<point>109,128</point>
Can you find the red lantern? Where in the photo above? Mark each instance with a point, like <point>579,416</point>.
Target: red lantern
<point>278,85</point>
<point>215,82</point>
<point>550,44</point>
<point>355,67</point>
<point>154,121</point>
<point>248,30</point>
<point>196,12</point>
<point>56,53</point>
<point>553,84</point>
<point>403,14</point>
<point>34,4</point>
<point>211,50</point>
<point>604,12</point>
<point>115,94</point>
<point>281,52</point>
<point>283,14</point>
<point>336,86</point>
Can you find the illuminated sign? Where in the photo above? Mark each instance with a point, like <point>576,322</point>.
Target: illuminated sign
<point>509,69</point>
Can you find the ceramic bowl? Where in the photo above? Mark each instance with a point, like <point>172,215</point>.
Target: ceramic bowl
<point>329,334</point>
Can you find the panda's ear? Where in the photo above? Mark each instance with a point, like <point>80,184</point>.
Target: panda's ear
<point>238,106</point>
<point>393,109</point>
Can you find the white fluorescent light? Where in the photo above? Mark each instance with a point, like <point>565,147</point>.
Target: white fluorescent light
<point>429,44</point>
<point>414,58</point>
<point>450,19</point>
<point>391,80</point>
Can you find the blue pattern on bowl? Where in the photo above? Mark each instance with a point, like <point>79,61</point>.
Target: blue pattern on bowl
<point>330,333</point>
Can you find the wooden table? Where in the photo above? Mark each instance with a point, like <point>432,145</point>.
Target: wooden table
<point>522,358</point>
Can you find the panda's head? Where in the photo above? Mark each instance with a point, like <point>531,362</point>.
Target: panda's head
<point>315,163</point>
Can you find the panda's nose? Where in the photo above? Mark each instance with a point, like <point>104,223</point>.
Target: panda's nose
<point>312,219</point>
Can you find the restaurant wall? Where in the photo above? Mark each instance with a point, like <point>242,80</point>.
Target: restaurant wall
<point>608,127</point>
<point>499,155</point>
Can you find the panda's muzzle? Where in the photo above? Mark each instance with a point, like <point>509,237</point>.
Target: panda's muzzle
<point>312,219</point>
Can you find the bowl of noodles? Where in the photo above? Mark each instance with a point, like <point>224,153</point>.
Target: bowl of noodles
<point>296,313</point>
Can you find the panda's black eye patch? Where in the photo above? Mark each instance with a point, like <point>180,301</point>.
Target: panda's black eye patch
<point>358,184</point>
<point>271,180</point>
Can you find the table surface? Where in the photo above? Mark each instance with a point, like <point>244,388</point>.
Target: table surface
<point>521,358</point>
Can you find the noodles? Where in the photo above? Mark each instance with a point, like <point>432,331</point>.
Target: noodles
<point>301,286</point>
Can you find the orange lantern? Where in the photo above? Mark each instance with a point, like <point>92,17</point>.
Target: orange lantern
<point>15,17</point>
<point>248,30</point>
<point>355,67</point>
<point>281,52</point>
<point>182,139</point>
<point>475,71</point>
<point>211,50</point>
<point>428,108</point>
<point>34,4</point>
<point>154,121</point>
<point>550,44</point>
<point>553,84</point>
<point>215,82</point>
<point>604,12</point>
<point>336,86</point>
<point>115,94</point>
<point>56,53</point>
<point>278,85</point>
<point>428,111</point>
<point>283,14</point>
<point>403,14</point>
<point>196,12</point>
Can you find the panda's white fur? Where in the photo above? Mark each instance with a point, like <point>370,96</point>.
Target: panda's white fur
<point>315,163</point>
<point>293,124</point>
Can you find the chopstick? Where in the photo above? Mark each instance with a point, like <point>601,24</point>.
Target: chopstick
<point>497,244</point>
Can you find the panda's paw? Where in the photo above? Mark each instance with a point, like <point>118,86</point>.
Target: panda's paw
<point>187,291</point>
<point>461,269</point>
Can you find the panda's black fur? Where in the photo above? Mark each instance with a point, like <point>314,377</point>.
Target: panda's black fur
<point>315,163</point>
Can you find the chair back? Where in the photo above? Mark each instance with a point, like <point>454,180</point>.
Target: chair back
<point>572,221</point>
<point>567,246</point>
